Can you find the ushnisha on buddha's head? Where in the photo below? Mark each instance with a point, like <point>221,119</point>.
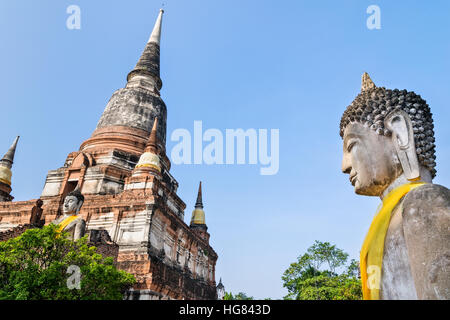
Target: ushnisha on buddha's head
<point>73,202</point>
<point>387,136</point>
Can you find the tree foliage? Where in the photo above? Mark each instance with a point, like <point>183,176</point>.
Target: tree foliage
<point>314,275</point>
<point>239,296</point>
<point>34,266</point>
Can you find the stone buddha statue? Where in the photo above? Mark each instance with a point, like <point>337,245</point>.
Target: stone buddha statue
<point>36,214</point>
<point>70,221</point>
<point>389,152</point>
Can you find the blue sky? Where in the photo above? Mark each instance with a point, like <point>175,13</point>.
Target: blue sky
<point>287,65</point>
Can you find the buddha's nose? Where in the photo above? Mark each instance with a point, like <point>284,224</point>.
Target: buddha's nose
<point>346,164</point>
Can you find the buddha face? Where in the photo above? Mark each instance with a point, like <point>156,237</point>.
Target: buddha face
<point>71,205</point>
<point>370,159</point>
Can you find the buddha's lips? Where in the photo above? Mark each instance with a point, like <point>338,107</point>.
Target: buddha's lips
<point>353,179</point>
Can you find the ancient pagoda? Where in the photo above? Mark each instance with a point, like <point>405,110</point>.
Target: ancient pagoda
<point>123,172</point>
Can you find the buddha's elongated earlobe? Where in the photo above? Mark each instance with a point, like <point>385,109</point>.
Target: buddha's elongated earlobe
<point>80,203</point>
<point>399,123</point>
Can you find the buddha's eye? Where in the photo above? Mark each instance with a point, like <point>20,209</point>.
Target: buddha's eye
<point>350,145</point>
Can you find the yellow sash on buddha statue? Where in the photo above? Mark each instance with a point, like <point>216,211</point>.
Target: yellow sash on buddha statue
<point>66,222</point>
<point>371,257</point>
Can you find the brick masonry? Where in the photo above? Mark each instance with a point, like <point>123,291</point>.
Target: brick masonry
<point>136,214</point>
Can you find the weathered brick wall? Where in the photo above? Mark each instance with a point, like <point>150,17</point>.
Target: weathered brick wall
<point>15,213</point>
<point>15,232</point>
<point>105,246</point>
<point>179,283</point>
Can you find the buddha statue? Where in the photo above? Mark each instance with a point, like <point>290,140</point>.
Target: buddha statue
<point>70,221</point>
<point>36,214</point>
<point>389,152</point>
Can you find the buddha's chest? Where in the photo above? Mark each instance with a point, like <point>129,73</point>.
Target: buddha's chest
<point>70,228</point>
<point>396,278</point>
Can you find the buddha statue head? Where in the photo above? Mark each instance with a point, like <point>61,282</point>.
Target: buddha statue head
<point>387,137</point>
<point>39,203</point>
<point>73,202</point>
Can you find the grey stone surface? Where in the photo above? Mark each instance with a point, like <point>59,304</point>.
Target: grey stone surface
<point>426,227</point>
<point>148,63</point>
<point>135,108</point>
<point>396,278</point>
<point>416,260</point>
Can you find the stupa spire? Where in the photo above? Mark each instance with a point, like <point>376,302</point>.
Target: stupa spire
<point>5,172</point>
<point>134,106</point>
<point>8,158</point>
<point>152,143</point>
<point>149,62</point>
<point>199,202</point>
<point>156,33</point>
<point>198,215</point>
<point>150,157</point>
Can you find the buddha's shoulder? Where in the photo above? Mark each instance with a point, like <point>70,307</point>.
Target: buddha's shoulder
<point>426,199</point>
<point>56,221</point>
<point>79,219</point>
<point>428,193</point>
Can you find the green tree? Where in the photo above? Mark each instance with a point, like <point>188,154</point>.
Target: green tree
<point>35,265</point>
<point>228,296</point>
<point>239,296</point>
<point>353,269</point>
<point>314,275</point>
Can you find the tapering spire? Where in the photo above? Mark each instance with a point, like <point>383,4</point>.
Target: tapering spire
<point>134,106</point>
<point>199,203</point>
<point>156,33</point>
<point>198,215</point>
<point>5,172</point>
<point>366,82</point>
<point>153,140</point>
<point>149,62</point>
<point>150,157</point>
<point>8,158</point>
<point>220,285</point>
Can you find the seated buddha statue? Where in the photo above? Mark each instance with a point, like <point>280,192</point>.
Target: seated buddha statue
<point>70,221</point>
<point>389,152</point>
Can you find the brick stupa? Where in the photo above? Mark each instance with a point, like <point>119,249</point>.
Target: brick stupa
<point>123,172</point>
